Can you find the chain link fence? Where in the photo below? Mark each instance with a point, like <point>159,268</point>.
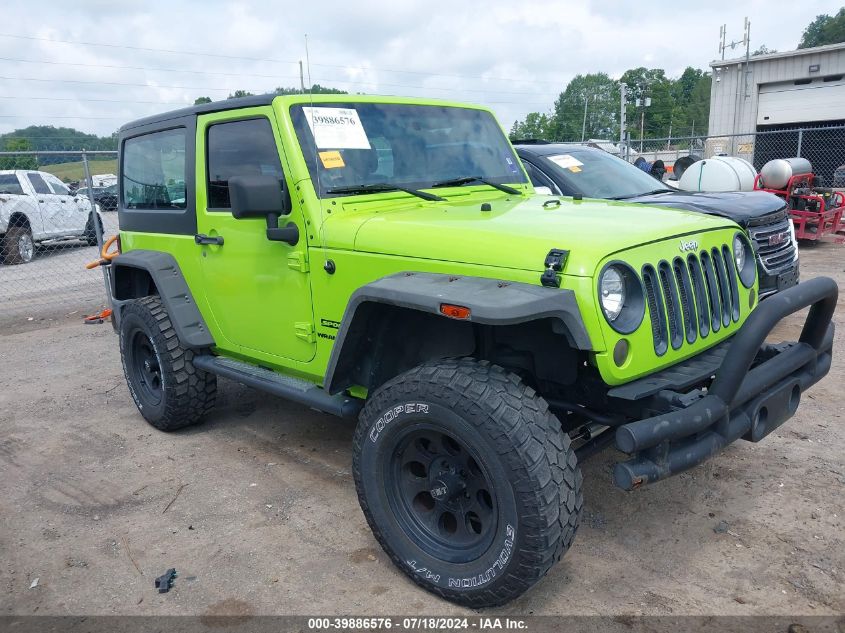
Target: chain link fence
<point>823,146</point>
<point>48,232</point>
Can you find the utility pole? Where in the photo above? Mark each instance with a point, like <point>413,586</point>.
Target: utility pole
<point>623,88</point>
<point>741,85</point>
<point>301,77</point>
<point>642,104</point>
<point>584,124</point>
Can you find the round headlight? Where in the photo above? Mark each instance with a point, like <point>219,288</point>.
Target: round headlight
<point>621,297</point>
<point>612,290</point>
<point>746,261</point>
<point>739,252</point>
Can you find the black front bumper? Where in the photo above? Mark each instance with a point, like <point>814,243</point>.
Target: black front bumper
<point>770,283</point>
<point>756,388</point>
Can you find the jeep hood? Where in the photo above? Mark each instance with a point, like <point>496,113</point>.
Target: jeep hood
<point>739,206</point>
<point>514,233</point>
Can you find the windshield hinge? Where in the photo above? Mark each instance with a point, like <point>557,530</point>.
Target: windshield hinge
<point>555,261</point>
<point>305,331</point>
<point>297,261</point>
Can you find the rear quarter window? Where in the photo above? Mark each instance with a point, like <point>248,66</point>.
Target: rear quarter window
<point>154,170</point>
<point>9,185</point>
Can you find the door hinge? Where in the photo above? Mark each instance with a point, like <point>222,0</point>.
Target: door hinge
<point>555,261</point>
<point>305,331</point>
<point>297,261</point>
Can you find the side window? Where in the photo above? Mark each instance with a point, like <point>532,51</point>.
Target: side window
<point>58,187</point>
<point>154,170</point>
<point>9,185</point>
<point>538,178</point>
<point>239,148</point>
<point>38,183</point>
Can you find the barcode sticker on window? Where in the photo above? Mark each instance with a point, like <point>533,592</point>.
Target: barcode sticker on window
<point>336,128</point>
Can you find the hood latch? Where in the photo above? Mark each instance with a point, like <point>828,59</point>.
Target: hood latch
<point>555,261</point>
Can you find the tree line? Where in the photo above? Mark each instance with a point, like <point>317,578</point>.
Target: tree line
<point>590,106</point>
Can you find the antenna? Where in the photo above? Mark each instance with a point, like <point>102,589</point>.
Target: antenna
<point>319,187</point>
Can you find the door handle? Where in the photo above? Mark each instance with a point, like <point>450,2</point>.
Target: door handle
<point>202,238</point>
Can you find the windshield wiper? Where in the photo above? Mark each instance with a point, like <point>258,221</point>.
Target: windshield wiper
<point>637,195</point>
<point>383,186</point>
<point>466,180</point>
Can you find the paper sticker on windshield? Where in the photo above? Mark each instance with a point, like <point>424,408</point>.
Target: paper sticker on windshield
<point>511,164</point>
<point>336,128</point>
<point>332,159</point>
<point>566,161</point>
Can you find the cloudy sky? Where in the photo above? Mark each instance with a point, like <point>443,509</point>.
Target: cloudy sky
<point>108,61</point>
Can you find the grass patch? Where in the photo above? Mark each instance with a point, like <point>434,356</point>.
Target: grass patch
<point>68,172</point>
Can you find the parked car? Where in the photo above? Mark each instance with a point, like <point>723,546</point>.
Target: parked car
<point>36,207</point>
<point>385,259</point>
<point>569,169</point>
<point>106,197</point>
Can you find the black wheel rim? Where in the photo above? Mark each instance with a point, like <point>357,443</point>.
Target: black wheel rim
<point>146,368</point>
<point>441,494</point>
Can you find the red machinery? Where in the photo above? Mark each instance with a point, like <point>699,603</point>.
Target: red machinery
<point>816,212</point>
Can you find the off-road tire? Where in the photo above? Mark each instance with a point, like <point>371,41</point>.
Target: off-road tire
<point>533,473</point>
<point>186,393</point>
<point>9,252</point>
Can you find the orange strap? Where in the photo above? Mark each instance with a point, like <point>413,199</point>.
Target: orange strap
<point>105,255</point>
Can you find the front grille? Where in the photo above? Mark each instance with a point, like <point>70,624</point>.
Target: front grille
<point>691,297</point>
<point>773,242</point>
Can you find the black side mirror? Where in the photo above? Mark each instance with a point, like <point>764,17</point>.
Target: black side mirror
<point>262,196</point>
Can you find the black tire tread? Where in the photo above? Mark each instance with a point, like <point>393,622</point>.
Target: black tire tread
<point>527,435</point>
<point>9,245</point>
<point>195,391</point>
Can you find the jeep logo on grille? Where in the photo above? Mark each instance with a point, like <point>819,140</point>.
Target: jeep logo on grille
<point>778,238</point>
<point>692,245</point>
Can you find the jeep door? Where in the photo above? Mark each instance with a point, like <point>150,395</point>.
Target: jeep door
<point>258,290</point>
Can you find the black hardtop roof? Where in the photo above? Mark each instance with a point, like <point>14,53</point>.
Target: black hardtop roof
<point>547,149</point>
<point>203,108</point>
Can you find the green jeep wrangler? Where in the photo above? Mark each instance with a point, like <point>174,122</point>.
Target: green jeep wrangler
<point>384,259</point>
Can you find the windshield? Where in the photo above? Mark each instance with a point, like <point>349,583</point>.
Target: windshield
<point>597,174</point>
<point>410,146</point>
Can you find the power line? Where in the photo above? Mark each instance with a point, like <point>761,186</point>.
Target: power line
<point>50,116</point>
<point>167,70</point>
<point>28,98</point>
<point>118,83</point>
<point>203,72</point>
<point>208,88</point>
<point>273,61</point>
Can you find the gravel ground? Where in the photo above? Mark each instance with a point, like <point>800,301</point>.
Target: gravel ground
<point>257,509</point>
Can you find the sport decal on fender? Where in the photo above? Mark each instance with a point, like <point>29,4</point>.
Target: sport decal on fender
<point>392,414</point>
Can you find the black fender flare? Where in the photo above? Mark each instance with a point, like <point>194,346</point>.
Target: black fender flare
<point>171,287</point>
<point>491,301</point>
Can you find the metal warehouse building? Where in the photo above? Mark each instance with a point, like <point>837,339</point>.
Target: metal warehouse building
<point>782,91</point>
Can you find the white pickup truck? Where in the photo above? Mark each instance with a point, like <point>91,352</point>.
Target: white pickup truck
<point>36,207</point>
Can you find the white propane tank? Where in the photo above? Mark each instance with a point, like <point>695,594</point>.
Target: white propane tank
<point>776,173</point>
<point>720,173</point>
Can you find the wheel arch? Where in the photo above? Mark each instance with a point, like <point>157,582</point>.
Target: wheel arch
<point>19,219</point>
<point>142,273</point>
<point>395,323</point>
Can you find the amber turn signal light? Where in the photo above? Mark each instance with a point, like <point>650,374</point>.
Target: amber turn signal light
<point>454,312</point>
